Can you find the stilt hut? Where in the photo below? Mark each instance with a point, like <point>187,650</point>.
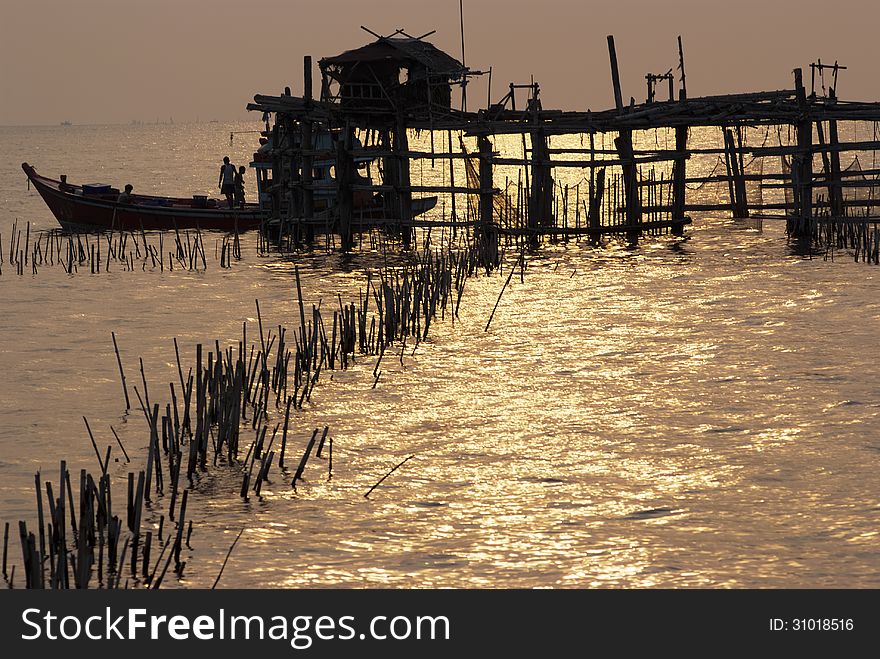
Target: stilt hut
<point>397,74</point>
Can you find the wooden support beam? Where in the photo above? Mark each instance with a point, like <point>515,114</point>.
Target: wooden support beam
<point>595,216</point>
<point>344,194</point>
<point>823,182</point>
<point>390,181</point>
<point>718,178</point>
<point>540,211</point>
<point>671,154</point>
<point>291,174</point>
<point>415,188</point>
<point>614,229</point>
<point>736,182</point>
<point>835,194</point>
<point>683,92</point>
<point>802,167</point>
<point>594,164</point>
<point>404,195</point>
<point>679,178</point>
<point>615,74</point>
<point>630,183</point>
<point>307,145</point>
<point>488,235</point>
<point>307,79</point>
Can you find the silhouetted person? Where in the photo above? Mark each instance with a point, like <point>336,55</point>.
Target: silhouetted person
<point>226,182</point>
<point>239,186</point>
<point>125,197</point>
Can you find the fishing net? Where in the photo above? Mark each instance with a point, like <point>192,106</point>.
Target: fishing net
<point>503,205</point>
<point>861,187</point>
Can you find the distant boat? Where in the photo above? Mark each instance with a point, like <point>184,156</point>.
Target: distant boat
<point>91,207</point>
<point>66,123</point>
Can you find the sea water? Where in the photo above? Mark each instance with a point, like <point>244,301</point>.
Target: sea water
<point>697,412</point>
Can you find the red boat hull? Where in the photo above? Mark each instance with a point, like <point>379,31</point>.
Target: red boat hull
<point>76,211</point>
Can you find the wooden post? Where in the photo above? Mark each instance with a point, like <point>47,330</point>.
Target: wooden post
<point>737,182</point>
<point>679,166</point>
<point>592,155</point>
<point>307,145</point>
<point>534,204</point>
<point>835,193</point>
<point>630,185</point>
<point>277,167</point>
<point>541,190</point>
<point>488,234</point>
<point>390,176</point>
<point>344,193</point>
<point>400,146</point>
<point>729,168</point>
<point>683,91</point>
<point>452,182</point>
<point>307,78</point>
<point>291,173</point>
<point>679,176</point>
<point>831,165</point>
<point>625,150</point>
<point>615,74</point>
<point>596,208</point>
<point>803,164</point>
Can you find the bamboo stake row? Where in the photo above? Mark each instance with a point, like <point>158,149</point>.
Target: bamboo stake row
<point>129,251</point>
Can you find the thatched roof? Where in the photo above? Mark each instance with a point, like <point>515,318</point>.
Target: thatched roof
<point>403,50</point>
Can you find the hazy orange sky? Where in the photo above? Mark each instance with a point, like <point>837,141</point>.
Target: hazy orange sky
<point>102,61</point>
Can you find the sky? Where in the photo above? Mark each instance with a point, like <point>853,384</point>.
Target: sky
<point>103,61</point>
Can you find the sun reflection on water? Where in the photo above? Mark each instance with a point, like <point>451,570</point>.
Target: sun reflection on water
<point>696,413</point>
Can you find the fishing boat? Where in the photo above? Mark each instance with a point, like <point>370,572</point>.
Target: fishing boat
<point>94,206</point>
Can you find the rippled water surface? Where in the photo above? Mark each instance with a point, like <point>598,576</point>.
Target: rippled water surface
<point>691,413</point>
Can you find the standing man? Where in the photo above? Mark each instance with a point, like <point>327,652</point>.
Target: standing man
<point>239,186</point>
<point>227,181</point>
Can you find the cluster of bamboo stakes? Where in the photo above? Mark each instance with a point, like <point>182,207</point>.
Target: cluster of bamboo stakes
<point>102,547</point>
<point>228,390</point>
<point>582,208</point>
<point>860,236</point>
<point>224,393</point>
<point>97,252</point>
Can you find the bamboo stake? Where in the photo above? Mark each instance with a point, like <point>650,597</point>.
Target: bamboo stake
<point>509,277</point>
<point>121,372</point>
<point>393,469</point>
<point>302,463</point>
<point>225,560</point>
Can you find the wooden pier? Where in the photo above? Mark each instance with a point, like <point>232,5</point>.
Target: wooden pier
<point>374,99</point>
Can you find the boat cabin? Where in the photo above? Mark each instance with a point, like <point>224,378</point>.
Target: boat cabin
<point>323,170</point>
<point>396,73</point>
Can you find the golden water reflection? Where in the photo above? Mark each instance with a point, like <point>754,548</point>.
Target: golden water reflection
<point>691,413</point>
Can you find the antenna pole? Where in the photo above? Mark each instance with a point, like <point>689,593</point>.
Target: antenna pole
<point>366,29</point>
<point>465,81</point>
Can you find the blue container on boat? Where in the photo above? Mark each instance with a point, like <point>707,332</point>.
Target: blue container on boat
<point>96,188</point>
